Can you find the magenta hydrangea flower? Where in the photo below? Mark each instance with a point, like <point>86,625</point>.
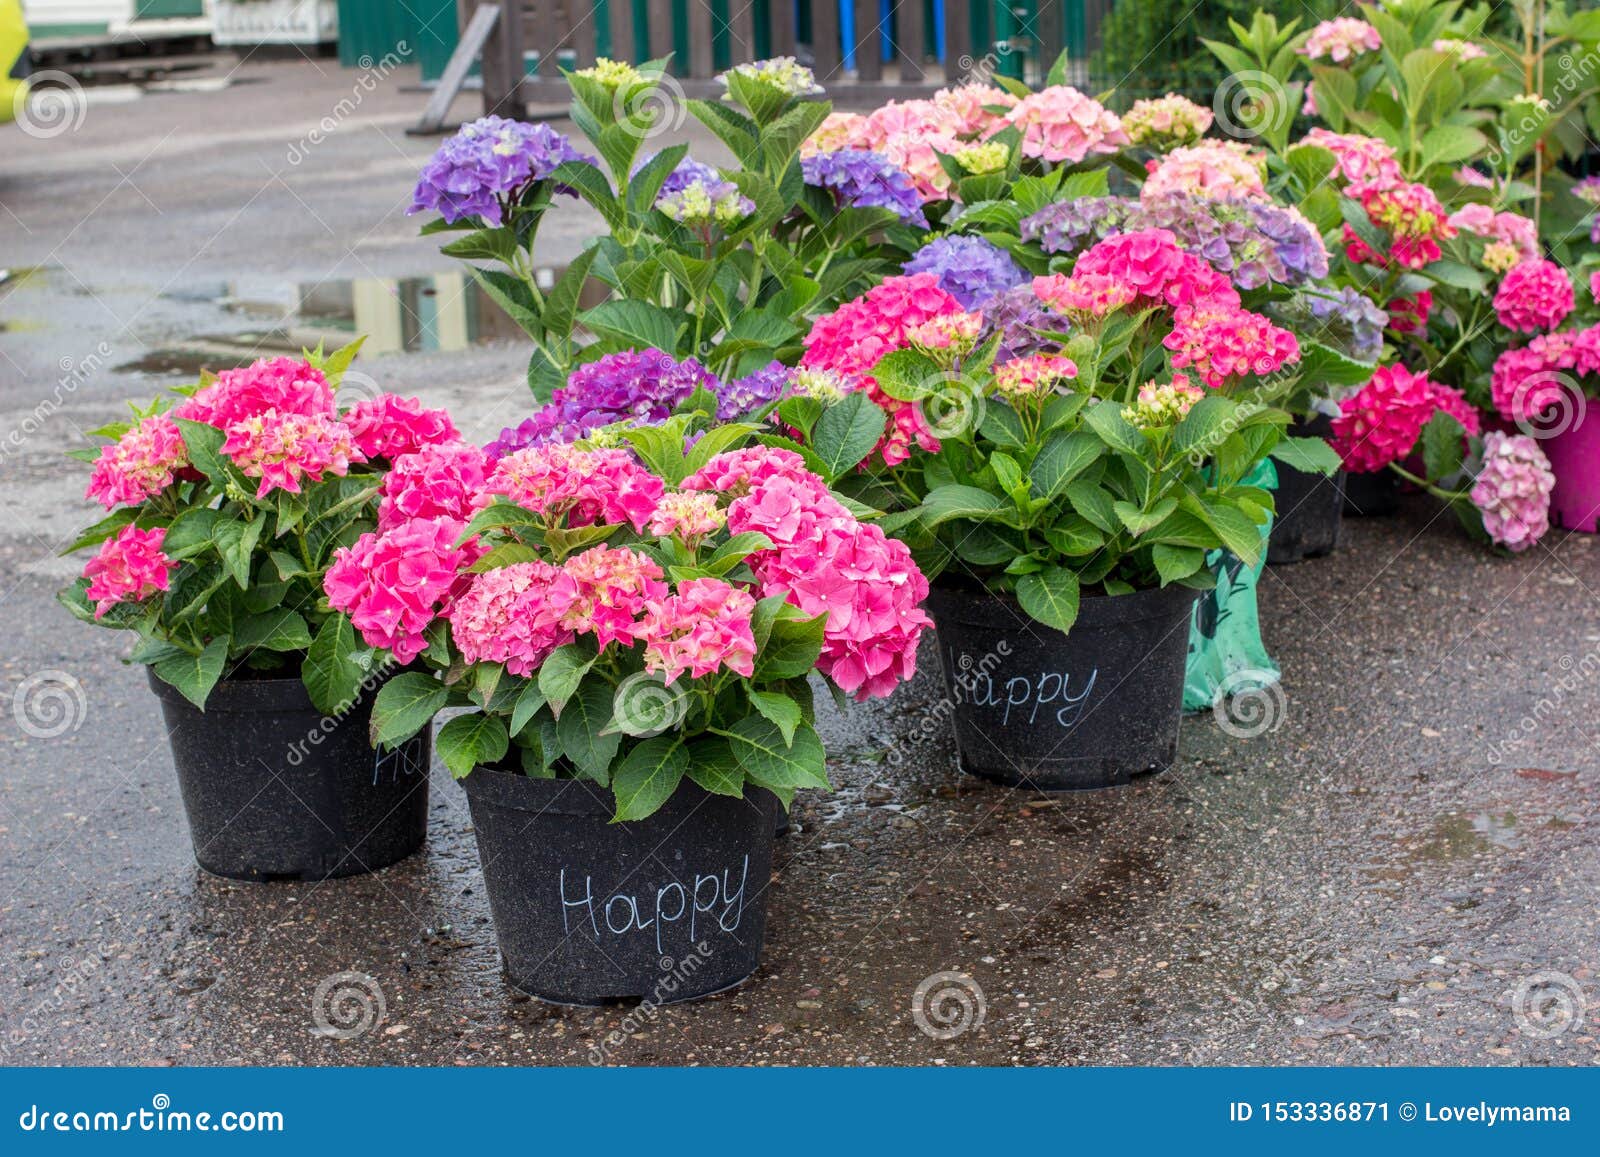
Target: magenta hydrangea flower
<point>1379,424</point>
<point>970,269</point>
<point>603,591</point>
<point>703,628</point>
<point>1223,343</point>
<point>576,487</point>
<point>1534,296</point>
<point>388,426</point>
<point>1512,490</point>
<point>503,616</point>
<point>284,449</point>
<point>286,385</point>
<point>128,567</point>
<point>486,165</point>
<point>140,464</point>
<point>394,583</point>
<point>434,481</point>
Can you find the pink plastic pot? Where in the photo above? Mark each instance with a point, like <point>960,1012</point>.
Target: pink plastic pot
<point>1575,458</point>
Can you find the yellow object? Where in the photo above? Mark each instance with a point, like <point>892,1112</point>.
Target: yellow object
<point>13,59</point>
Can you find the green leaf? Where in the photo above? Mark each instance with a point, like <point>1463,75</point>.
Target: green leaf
<point>527,706</point>
<point>194,675</point>
<point>1205,427</point>
<point>472,740</point>
<point>330,672</point>
<point>846,433</point>
<point>235,541</point>
<point>648,775</point>
<point>204,443</point>
<point>782,710</point>
<point>1308,455</point>
<point>1051,596</point>
<point>404,706</point>
<point>1139,520</point>
<point>1105,418</point>
<point>1443,442</point>
<point>638,324</point>
<point>760,750</point>
<point>1063,458</point>
<point>114,522</point>
<point>1094,503</point>
<point>561,673</point>
<point>1174,563</point>
<point>791,648</point>
<point>281,630</point>
<point>943,503</point>
<point>1320,365</point>
<point>713,766</point>
<point>581,731</point>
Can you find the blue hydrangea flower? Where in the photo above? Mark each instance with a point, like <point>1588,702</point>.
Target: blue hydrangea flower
<point>1353,319</point>
<point>970,269</point>
<point>749,393</point>
<point>861,178</point>
<point>485,165</point>
<point>1069,226</point>
<point>1018,317</point>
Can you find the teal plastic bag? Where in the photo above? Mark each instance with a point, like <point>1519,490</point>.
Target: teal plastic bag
<point>1226,652</point>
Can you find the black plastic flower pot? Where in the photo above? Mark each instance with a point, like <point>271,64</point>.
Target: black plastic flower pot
<point>1310,507</point>
<point>590,912</point>
<point>1371,495</point>
<point>1090,708</point>
<point>276,790</point>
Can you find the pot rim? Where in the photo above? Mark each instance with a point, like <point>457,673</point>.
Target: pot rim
<point>1095,612</point>
<point>504,788</point>
<point>277,694</point>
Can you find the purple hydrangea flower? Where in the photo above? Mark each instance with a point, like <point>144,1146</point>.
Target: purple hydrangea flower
<point>970,269</point>
<point>1018,316</point>
<point>749,393</point>
<point>1353,320</point>
<point>696,194</point>
<point>1068,226</point>
<point>485,164</point>
<point>640,386</point>
<point>858,178</point>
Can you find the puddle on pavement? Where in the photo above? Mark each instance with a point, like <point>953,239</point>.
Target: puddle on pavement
<point>1455,838</point>
<point>442,313</point>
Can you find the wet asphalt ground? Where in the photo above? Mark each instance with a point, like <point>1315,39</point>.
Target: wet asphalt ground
<point>1401,859</point>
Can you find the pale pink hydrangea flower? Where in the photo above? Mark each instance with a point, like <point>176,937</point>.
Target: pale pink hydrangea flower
<point>1357,158</point>
<point>691,515</point>
<point>969,105</point>
<point>1060,123</point>
<point>1084,296</point>
<point>1220,170</point>
<point>284,449</point>
<point>603,591</point>
<point>1032,375</point>
<point>1510,229</point>
<point>130,566</point>
<point>839,130</point>
<point>917,155</point>
<point>140,464</point>
<point>1513,490</point>
<point>1341,39</point>
<point>1167,122</point>
<point>704,628</point>
<point>1461,49</point>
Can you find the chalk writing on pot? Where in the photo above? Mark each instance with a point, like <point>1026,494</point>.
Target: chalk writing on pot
<point>397,761</point>
<point>1031,693</point>
<point>698,902</point>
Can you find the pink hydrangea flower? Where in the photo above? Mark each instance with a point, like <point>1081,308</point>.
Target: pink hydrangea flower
<point>839,130</point>
<point>576,487</point>
<point>1032,375</point>
<point>1224,343</point>
<point>691,515</point>
<point>969,105</point>
<point>394,583</point>
<point>603,591</point>
<point>1511,229</point>
<point>1453,402</point>
<point>1461,49</point>
<point>1594,286</point>
<point>911,118</point>
<point>1410,314</point>
<point>917,155</point>
<point>140,464</point>
<point>1060,124</point>
<point>1341,39</point>
<point>388,426</point>
<point>286,385</point>
<point>1167,121</point>
<point>504,616</point>
<point>1308,106</point>
<point>1089,296</point>
<point>1513,490</point>
<point>1380,423</point>
<point>1542,375</point>
<point>1412,216</point>
<point>1220,170</point>
<point>1358,159</point>
<point>130,566</point>
<point>703,628</point>
<point>1150,263</point>
<point>736,473</point>
<point>433,481</point>
<point>853,338</point>
<point>283,449</point>
<point>1533,296</point>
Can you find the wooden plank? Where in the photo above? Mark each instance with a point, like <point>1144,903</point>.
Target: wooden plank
<point>845,94</point>
<point>908,39</point>
<point>869,41</point>
<point>583,17</point>
<point>622,46</point>
<point>481,23</point>
<point>825,37</point>
<point>958,62</point>
<point>658,22</point>
<point>742,31</point>
<point>783,26</point>
<point>1050,26</point>
<point>700,62</point>
<point>502,66</point>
